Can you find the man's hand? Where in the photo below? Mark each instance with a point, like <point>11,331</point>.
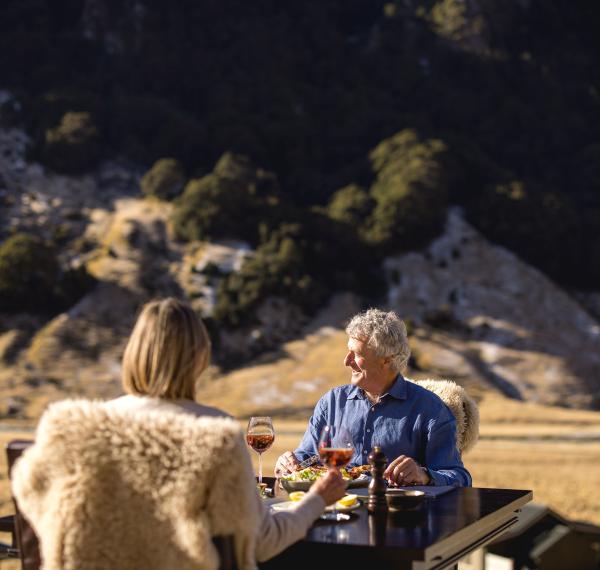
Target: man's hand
<point>286,463</point>
<point>405,470</point>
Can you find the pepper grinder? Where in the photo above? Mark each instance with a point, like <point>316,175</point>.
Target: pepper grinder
<point>377,487</point>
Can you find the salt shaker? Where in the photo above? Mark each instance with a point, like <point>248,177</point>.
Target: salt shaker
<point>377,487</point>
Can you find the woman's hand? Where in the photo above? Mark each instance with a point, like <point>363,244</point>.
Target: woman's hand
<point>330,486</point>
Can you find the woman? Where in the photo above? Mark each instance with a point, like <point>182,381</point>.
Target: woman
<point>167,352</point>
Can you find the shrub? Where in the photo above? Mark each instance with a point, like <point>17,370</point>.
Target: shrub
<point>73,146</point>
<point>164,180</point>
<point>31,279</point>
<point>29,273</point>
<point>277,268</point>
<point>228,203</point>
<point>449,19</point>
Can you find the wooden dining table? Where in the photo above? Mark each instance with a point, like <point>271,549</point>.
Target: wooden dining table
<point>436,535</point>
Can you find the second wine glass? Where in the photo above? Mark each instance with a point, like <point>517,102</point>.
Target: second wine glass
<point>260,435</point>
<point>336,450</point>
<point>335,446</point>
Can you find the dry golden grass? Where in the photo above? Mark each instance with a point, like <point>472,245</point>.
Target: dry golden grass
<point>563,476</point>
<point>284,384</point>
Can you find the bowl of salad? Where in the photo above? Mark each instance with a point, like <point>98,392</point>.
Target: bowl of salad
<point>302,479</point>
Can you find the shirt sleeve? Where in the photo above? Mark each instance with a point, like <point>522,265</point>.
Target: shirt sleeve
<point>310,442</point>
<point>442,457</point>
<point>281,529</point>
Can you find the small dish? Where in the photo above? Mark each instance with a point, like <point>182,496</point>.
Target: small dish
<point>342,509</point>
<point>404,499</point>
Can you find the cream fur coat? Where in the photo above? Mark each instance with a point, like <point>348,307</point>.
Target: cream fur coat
<point>461,405</point>
<point>144,489</point>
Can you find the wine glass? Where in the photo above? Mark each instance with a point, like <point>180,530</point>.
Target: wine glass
<point>336,450</point>
<point>260,435</point>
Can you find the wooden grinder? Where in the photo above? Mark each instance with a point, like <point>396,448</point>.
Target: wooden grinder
<point>377,487</point>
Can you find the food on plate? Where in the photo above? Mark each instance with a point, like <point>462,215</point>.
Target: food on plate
<point>315,471</point>
<point>359,470</point>
<point>296,495</point>
<point>307,474</point>
<point>347,501</point>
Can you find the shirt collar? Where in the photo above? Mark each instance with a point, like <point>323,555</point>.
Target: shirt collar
<point>397,391</point>
<point>355,393</point>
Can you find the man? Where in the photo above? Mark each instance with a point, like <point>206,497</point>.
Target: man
<point>414,428</point>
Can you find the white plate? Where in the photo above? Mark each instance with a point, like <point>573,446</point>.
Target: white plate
<point>345,509</point>
<point>287,505</point>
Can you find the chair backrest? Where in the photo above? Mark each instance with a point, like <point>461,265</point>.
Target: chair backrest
<point>109,488</point>
<point>462,406</point>
<point>25,538</point>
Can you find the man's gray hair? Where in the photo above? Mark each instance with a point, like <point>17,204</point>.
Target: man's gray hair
<point>384,332</point>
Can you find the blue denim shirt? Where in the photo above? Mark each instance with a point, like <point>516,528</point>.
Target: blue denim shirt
<point>408,420</point>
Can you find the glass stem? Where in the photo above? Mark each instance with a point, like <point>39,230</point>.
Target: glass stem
<point>260,467</point>
<point>334,511</point>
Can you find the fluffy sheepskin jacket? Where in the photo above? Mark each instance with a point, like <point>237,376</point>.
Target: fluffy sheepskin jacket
<point>136,489</point>
<point>462,406</point>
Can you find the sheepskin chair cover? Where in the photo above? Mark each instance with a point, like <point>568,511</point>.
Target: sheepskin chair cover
<point>461,405</point>
<point>136,489</point>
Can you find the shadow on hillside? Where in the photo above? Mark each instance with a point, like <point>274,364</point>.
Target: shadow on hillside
<point>270,357</point>
<point>472,358</point>
<point>502,384</point>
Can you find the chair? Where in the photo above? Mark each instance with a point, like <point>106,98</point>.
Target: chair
<point>462,406</point>
<point>7,525</point>
<point>107,488</point>
<point>25,542</point>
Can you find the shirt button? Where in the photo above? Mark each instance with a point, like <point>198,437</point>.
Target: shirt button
<point>368,431</point>
<point>373,409</point>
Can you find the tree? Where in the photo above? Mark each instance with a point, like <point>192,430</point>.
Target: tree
<point>410,192</point>
<point>29,272</point>
<point>164,180</point>
<point>228,203</point>
<point>277,268</point>
<point>351,205</point>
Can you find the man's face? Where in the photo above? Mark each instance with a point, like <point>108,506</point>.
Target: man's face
<point>368,369</point>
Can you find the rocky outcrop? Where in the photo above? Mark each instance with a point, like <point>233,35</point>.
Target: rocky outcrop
<point>497,317</point>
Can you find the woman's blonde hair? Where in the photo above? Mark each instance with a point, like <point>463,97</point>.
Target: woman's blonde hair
<point>167,351</point>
